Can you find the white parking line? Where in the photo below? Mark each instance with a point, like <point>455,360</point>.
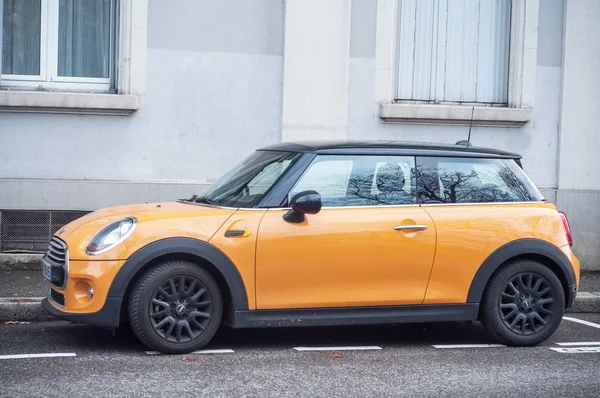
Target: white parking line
<point>589,343</point>
<point>364,347</point>
<point>221,351</point>
<point>592,324</point>
<point>576,350</point>
<point>469,346</point>
<point>27,356</point>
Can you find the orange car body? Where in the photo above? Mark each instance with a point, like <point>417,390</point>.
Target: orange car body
<point>358,257</point>
<point>343,257</point>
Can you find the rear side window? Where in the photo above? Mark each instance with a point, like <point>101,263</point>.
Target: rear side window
<point>472,180</point>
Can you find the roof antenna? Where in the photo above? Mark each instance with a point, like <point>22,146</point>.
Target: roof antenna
<point>468,141</point>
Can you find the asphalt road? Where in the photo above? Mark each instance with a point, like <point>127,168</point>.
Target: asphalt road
<point>264,363</point>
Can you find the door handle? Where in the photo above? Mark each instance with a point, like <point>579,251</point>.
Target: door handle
<point>416,227</point>
<point>230,233</point>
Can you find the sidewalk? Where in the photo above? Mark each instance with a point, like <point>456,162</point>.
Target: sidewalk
<point>22,284</point>
<point>590,282</point>
<point>21,291</point>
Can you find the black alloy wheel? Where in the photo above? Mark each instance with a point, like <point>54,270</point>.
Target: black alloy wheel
<point>523,303</point>
<point>526,303</point>
<point>181,309</point>
<point>175,307</point>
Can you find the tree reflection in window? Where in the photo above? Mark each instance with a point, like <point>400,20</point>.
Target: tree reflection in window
<point>443,180</point>
<point>361,180</point>
<point>385,185</point>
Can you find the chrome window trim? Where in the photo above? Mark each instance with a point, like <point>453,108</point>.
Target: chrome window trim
<point>352,207</point>
<point>371,206</point>
<point>376,206</point>
<point>484,203</point>
<point>421,205</point>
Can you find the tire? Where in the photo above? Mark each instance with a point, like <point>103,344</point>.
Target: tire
<point>172,320</point>
<point>527,314</point>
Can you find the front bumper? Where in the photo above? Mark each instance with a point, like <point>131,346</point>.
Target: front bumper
<point>83,275</point>
<point>74,303</point>
<point>109,316</point>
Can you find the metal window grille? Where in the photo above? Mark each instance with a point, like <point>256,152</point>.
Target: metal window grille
<point>31,230</point>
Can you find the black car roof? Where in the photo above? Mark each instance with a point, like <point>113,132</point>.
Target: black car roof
<point>390,147</point>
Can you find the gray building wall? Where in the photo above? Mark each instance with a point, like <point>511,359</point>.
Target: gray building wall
<point>578,178</point>
<point>214,81</point>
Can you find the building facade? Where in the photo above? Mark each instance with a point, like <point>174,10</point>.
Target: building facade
<point>128,101</point>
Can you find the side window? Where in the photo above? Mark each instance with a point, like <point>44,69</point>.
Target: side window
<point>463,180</point>
<point>360,180</point>
<point>267,177</point>
<point>329,176</point>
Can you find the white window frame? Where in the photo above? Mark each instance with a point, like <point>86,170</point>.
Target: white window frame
<point>48,79</point>
<point>91,96</point>
<point>521,81</point>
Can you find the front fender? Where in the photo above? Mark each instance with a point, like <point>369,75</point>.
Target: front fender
<point>208,252</point>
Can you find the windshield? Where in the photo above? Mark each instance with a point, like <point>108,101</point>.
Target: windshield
<point>248,182</point>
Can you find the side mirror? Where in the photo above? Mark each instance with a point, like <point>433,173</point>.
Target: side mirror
<point>305,202</point>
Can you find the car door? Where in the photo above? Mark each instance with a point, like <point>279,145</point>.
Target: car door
<point>370,245</point>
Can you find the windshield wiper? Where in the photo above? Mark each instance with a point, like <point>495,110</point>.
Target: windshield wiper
<point>203,200</point>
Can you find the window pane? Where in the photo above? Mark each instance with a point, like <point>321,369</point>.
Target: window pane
<point>264,180</point>
<point>360,180</point>
<point>21,26</point>
<point>453,50</point>
<point>84,38</point>
<point>329,176</point>
<point>248,182</point>
<point>455,180</point>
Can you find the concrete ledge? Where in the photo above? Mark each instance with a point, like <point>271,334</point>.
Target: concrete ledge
<point>91,194</point>
<point>23,309</point>
<point>30,308</point>
<point>586,302</point>
<point>20,262</point>
<point>454,114</point>
<point>67,102</point>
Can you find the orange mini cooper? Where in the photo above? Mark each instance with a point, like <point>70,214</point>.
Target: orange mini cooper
<point>326,233</point>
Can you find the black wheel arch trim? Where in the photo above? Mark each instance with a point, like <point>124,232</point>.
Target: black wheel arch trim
<point>522,247</point>
<point>189,246</point>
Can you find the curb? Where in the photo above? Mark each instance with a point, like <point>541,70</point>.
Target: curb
<point>586,302</point>
<point>23,309</point>
<point>30,308</point>
<point>20,262</point>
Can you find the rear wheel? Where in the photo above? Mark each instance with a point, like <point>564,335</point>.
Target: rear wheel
<point>175,308</point>
<point>523,304</point>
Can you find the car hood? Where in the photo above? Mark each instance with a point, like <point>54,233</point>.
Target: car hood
<point>154,221</point>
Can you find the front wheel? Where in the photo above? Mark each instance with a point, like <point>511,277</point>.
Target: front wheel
<point>175,308</point>
<point>523,304</point>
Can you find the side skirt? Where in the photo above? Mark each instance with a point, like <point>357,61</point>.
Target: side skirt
<point>354,315</point>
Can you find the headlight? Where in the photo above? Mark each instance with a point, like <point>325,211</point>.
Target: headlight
<point>111,235</point>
